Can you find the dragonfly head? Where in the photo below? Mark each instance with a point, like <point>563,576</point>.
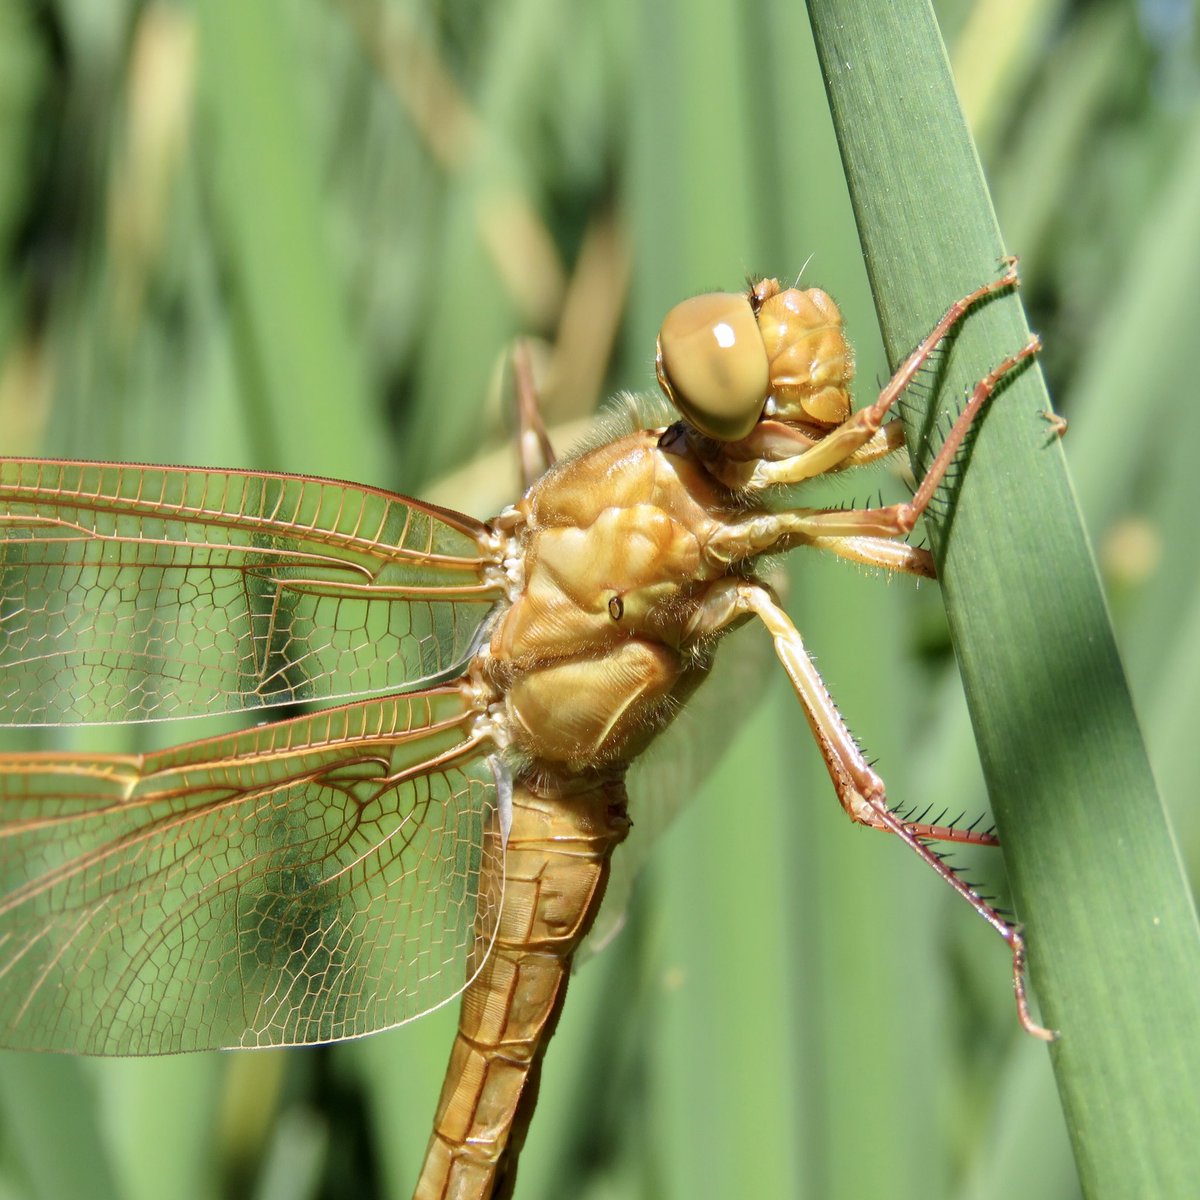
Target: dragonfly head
<point>728,359</point>
<point>712,364</point>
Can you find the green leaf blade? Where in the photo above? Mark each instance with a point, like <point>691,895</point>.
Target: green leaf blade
<point>1115,947</point>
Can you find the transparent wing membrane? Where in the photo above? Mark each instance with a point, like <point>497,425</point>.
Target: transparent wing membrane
<point>145,593</point>
<point>300,882</point>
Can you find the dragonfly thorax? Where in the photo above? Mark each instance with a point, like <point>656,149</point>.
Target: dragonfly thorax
<point>595,651</point>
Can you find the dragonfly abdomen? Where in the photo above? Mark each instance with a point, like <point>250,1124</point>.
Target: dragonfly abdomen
<point>556,867</point>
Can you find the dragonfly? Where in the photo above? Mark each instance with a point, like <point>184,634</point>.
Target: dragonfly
<point>445,823</point>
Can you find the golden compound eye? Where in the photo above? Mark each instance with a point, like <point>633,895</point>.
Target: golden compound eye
<point>616,608</point>
<point>712,364</point>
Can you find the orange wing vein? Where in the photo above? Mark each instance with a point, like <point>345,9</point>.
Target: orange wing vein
<point>146,593</point>
<point>300,882</point>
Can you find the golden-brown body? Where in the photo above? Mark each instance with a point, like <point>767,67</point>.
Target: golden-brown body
<point>628,564</point>
<point>590,659</point>
<point>332,874</point>
<point>621,561</point>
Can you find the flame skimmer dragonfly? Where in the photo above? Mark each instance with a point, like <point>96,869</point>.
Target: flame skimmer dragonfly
<point>447,826</point>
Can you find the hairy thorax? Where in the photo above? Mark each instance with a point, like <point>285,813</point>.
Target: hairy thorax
<point>598,647</point>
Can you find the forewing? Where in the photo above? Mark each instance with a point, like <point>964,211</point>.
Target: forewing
<point>300,882</point>
<point>145,593</point>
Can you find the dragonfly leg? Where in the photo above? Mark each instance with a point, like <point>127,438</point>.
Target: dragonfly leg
<point>771,532</point>
<point>1057,423</point>
<point>880,552</point>
<point>1012,934</point>
<point>859,788</point>
<point>896,520</point>
<point>858,430</point>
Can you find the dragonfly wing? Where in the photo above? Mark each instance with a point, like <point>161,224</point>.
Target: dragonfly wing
<point>145,593</point>
<point>306,881</point>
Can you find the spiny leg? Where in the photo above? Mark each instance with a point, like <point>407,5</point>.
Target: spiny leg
<point>896,520</point>
<point>883,553</point>
<point>854,779</point>
<point>756,463</point>
<point>860,533</point>
<point>860,790</point>
<point>1009,932</point>
<point>831,452</point>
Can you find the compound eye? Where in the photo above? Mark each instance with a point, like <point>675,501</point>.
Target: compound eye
<point>713,365</point>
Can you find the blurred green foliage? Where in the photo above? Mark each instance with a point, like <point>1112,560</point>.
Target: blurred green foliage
<point>302,235</point>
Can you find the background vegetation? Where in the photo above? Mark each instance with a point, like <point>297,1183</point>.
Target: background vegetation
<point>303,235</point>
